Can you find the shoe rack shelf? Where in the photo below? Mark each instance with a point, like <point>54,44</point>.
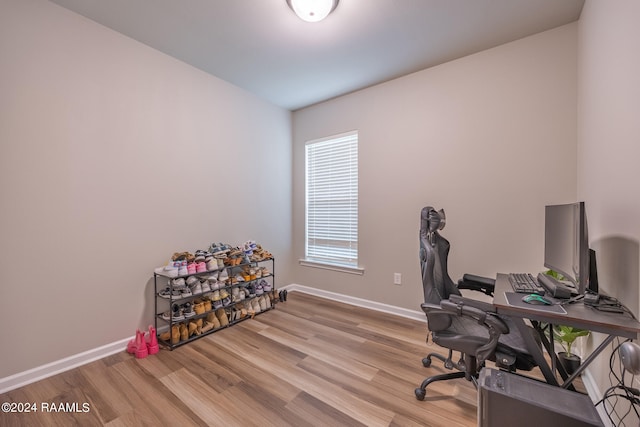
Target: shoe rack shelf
<point>165,315</point>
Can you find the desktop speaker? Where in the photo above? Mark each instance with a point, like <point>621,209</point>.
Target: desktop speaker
<point>506,399</point>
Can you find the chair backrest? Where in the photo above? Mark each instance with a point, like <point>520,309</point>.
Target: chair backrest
<point>434,251</point>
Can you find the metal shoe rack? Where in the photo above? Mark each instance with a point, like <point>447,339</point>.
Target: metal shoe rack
<point>163,305</point>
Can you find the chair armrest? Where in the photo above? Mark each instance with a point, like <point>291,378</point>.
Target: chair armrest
<point>494,324</point>
<point>485,285</point>
<point>437,319</point>
<point>481,305</point>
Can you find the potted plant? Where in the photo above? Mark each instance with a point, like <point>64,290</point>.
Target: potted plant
<point>566,335</point>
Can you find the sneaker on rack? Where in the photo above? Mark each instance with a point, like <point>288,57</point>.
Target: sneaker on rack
<point>201,267</point>
<point>196,289</point>
<point>182,270</point>
<point>169,293</point>
<point>226,300</point>
<point>187,310</point>
<point>191,268</point>
<point>216,301</point>
<point>204,283</point>
<point>177,312</point>
<point>185,292</point>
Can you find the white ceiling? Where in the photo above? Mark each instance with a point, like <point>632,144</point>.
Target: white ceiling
<point>261,46</point>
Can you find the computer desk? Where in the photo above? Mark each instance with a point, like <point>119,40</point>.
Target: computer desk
<point>578,315</point>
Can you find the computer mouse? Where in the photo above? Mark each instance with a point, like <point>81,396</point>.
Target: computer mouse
<point>536,299</point>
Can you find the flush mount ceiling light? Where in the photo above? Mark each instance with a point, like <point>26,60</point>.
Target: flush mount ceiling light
<point>312,10</point>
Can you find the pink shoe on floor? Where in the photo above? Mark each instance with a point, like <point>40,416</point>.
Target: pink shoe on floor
<point>141,345</point>
<point>152,341</point>
<point>131,346</point>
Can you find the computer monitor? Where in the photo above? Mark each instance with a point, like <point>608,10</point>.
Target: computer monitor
<point>566,243</point>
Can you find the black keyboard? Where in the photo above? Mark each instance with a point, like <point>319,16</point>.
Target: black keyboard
<point>525,283</point>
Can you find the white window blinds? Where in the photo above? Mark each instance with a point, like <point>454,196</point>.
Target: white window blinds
<point>332,200</point>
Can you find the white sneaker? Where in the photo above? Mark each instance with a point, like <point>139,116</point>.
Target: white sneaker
<point>196,289</point>
<point>223,275</point>
<point>205,286</point>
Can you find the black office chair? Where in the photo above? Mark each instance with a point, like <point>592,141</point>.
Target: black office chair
<point>460,324</point>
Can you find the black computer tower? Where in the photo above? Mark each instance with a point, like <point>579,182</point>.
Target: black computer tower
<point>506,399</point>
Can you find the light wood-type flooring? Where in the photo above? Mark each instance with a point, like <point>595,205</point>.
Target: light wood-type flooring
<point>309,362</point>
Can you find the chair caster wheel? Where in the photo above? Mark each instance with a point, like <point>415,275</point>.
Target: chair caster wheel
<point>420,393</point>
<point>426,362</point>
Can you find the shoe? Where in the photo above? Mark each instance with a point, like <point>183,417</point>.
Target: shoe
<point>172,335</point>
<point>194,329</point>
<point>204,285</point>
<point>184,332</point>
<point>207,327</point>
<point>176,313</point>
<point>187,310</point>
<point>211,318</point>
<point>266,286</point>
<point>198,308</point>
<point>207,305</point>
<point>216,300</point>
<point>201,267</point>
<point>141,345</point>
<point>191,281</point>
<point>212,264</point>
<point>223,275</point>
<point>185,292</point>
<point>152,341</point>
<point>263,303</point>
<point>226,300</point>
<point>197,288</point>
<point>259,289</point>
<point>213,284</point>
<point>183,270</point>
<point>251,289</point>
<point>255,305</point>
<point>191,268</point>
<point>169,270</point>
<point>222,317</point>
<point>169,293</point>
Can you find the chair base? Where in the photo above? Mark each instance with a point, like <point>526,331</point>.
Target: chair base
<point>421,391</point>
<point>448,362</point>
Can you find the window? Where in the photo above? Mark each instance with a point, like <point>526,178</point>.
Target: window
<point>332,201</point>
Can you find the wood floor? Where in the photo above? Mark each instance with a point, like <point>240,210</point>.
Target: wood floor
<point>309,362</point>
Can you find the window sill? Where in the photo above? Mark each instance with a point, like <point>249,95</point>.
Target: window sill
<point>334,267</point>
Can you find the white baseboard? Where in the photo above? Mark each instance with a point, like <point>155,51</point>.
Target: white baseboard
<point>41,372</point>
<point>373,305</point>
<point>594,393</point>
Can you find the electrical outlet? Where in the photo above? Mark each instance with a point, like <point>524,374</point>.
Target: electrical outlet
<point>397,279</point>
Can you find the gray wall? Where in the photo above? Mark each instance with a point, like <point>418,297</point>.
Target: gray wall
<point>114,156</point>
<point>609,148</point>
<point>491,138</point>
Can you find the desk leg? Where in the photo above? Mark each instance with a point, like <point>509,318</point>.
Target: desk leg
<point>588,361</point>
<point>535,351</point>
